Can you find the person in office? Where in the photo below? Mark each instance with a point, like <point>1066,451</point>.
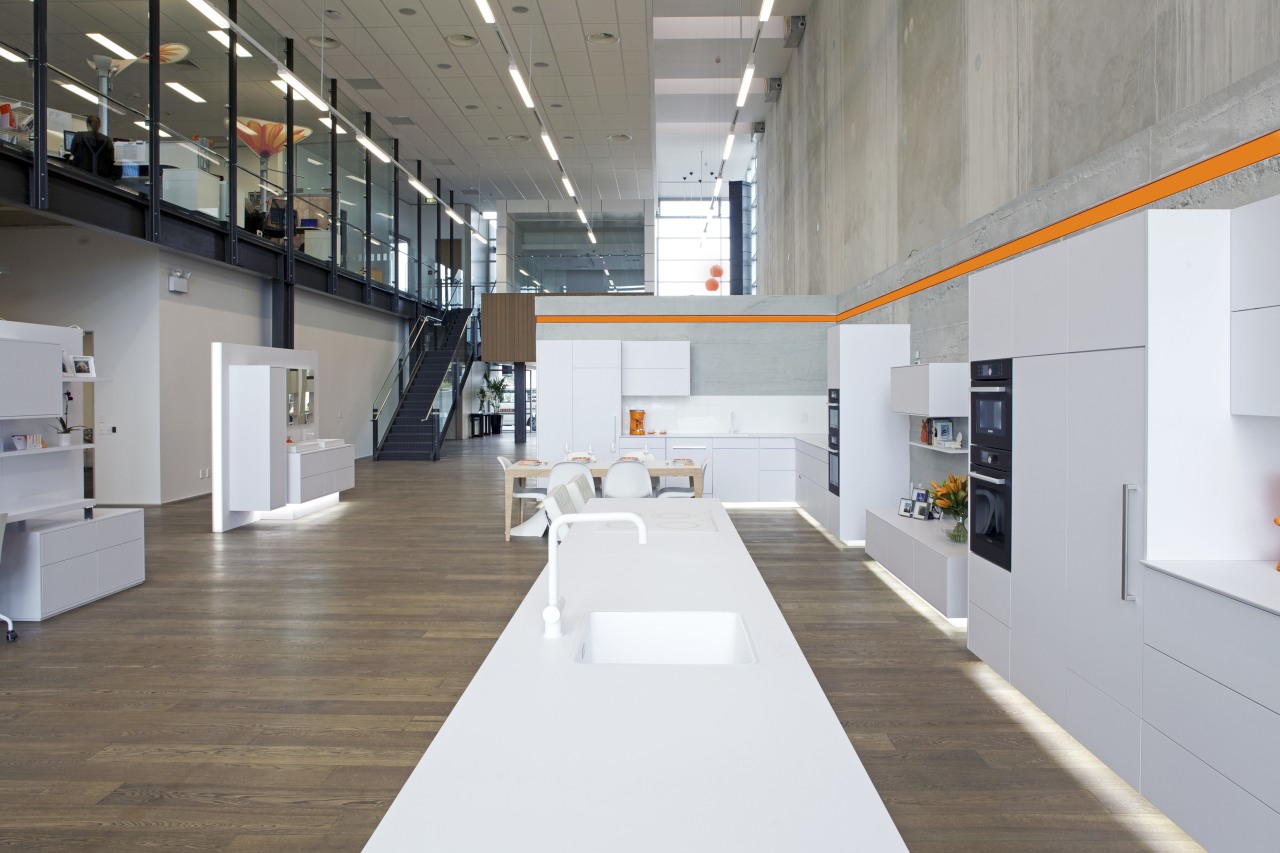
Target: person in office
<point>92,151</point>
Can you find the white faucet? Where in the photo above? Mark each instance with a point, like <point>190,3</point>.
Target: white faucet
<point>552,627</point>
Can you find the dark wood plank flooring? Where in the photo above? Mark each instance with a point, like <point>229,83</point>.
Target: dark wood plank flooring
<point>271,688</point>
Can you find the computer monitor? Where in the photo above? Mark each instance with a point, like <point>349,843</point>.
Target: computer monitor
<point>68,136</point>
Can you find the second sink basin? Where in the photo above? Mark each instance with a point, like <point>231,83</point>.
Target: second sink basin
<point>677,637</point>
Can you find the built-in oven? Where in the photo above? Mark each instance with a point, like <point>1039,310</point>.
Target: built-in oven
<point>990,505</point>
<point>833,419</point>
<point>833,472</point>
<point>991,404</point>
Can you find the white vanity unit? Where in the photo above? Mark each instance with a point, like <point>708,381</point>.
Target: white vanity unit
<point>676,712</point>
<point>318,468</point>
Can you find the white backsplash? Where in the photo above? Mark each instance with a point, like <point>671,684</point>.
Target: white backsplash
<point>759,414</point>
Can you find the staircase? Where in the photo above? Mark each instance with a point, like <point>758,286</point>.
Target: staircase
<point>415,434</point>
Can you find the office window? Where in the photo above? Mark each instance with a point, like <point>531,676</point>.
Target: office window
<point>689,244</point>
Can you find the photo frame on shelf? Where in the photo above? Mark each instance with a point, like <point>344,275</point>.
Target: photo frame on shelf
<point>904,507</point>
<point>82,366</point>
<point>920,495</point>
<point>920,510</point>
<point>942,431</point>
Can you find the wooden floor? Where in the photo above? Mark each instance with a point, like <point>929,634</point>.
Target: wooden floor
<point>271,688</point>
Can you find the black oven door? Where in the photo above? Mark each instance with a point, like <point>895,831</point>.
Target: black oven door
<point>833,473</point>
<point>991,416</point>
<point>990,508</point>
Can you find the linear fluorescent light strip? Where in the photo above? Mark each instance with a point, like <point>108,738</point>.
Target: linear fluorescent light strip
<point>223,39</point>
<point>606,272</point>
<point>719,182</point>
<point>329,123</point>
<point>765,8</point>
<point>10,55</point>
<point>80,91</point>
<point>284,87</point>
<point>746,84</point>
<point>728,146</point>
<point>568,187</point>
<point>314,162</point>
<point>591,235</point>
<point>355,178</point>
<point>551,148</point>
<point>582,215</point>
<point>373,149</point>
<point>480,238</point>
<point>298,88</point>
<point>164,134</point>
<point>185,92</point>
<point>421,188</point>
<point>211,13</point>
<point>111,46</point>
<point>485,11</point>
<point>453,214</point>
<point>520,86</point>
<point>522,272</point>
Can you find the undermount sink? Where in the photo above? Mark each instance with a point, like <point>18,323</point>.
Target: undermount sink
<point>314,444</point>
<point>673,637</point>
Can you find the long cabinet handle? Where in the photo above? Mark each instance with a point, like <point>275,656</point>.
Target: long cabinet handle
<point>989,389</point>
<point>689,447</point>
<point>998,481</point>
<point>1126,490</point>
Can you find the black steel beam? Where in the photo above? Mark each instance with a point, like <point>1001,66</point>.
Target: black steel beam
<point>736,220</point>
<point>281,314</point>
<point>155,175</point>
<point>39,185</point>
<point>522,412</point>
<point>233,147</point>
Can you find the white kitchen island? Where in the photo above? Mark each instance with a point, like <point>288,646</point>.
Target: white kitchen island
<point>543,753</point>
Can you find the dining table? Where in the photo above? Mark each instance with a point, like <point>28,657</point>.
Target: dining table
<point>526,469</point>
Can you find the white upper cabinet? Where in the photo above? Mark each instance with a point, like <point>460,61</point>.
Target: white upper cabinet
<point>1107,300</point>
<point>930,390</point>
<point>1039,297</point>
<point>1255,355</point>
<point>991,313</point>
<point>1255,255</point>
<point>597,354</point>
<point>30,379</point>
<point>655,369</point>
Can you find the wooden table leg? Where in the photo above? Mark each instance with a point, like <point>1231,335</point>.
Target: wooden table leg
<point>697,484</point>
<point>508,487</point>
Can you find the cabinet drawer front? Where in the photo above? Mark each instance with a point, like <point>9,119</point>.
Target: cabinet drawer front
<point>344,478</point>
<point>655,382</point>
<point>989,639</point>
<point>68,583</point>
<point>311,488</point>
<point>1216,812</point>
<point>1227,640</point>
<point>772,459</point>
<point>940,581</point>
<point>117,529</point>
<point>989,587</point>
<point>1106,728</point>
<point>736,443</point>
<point>59,545</point>
<point>778,443</point>
<point>121,566</point>
<point>1237,737</point>
<point>812,469</point>
<point>777,485</point>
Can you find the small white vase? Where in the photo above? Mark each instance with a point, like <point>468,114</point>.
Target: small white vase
<point>63,438</point>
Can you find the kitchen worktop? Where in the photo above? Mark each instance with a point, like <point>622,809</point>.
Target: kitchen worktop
<point>1254,582</point>
<point>685,434</point>
<point>543,753</point>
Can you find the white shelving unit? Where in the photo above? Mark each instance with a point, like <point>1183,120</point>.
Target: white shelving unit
<point>937,449</point>
<point>57,448</point>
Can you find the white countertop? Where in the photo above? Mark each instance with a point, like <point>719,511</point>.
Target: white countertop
<point>682,434</point>
<point>545,754</point>
<point>931,532</point>
<point>1254,582</point>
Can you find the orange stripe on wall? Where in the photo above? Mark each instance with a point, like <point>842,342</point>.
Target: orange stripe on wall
<point>1240,157</point>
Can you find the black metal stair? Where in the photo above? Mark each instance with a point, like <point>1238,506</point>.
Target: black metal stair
<point>413,433</point>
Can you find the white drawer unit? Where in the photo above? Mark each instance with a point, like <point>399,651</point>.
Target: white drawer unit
<point>51,565</point>
<point>316,473</point>
<point>920,555</point>
<point>697,449</point>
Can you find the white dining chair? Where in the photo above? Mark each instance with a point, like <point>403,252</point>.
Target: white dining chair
<point>521,491</point>
<point>627,479</point>
<point>563,472</point>
<point>582,488</point>
<point>559,501</point>
<point>684,491</point>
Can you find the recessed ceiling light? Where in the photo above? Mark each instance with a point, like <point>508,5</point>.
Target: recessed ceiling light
<point>11,56</point>
<point>323,41</point>
<point>462,40</point>
<point>619,137</point>
<point>517,137</point>
<point>542,65</point>
<point>473,106</point>
<point>492,139</point>
<point>557,106</point>
<point>602,38</point>
<point>520,10</point>
<point>444,66</point>
<point>407,11</point>
<point>111,46</point>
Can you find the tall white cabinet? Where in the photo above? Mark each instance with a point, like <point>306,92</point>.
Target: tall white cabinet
<point>579,396</point>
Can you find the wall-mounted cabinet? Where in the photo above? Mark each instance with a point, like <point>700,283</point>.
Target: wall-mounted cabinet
<point>30,379</point>
<point>655,369</point>
<point>930,390</point>
<point>1255,308</point>
<point>316,473</point>
<point>1255,362</point>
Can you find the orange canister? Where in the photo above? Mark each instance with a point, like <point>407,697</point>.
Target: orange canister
<point>637,421</point>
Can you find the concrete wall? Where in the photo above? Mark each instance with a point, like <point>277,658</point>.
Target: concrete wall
<point>912,134</point>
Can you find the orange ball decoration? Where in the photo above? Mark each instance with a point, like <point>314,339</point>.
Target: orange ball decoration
<point>713,284</point>
<point>717,271</point>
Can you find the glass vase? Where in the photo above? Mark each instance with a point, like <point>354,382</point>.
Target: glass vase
<point>958,532</point>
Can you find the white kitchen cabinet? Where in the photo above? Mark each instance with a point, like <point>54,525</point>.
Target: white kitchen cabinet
<point>697,449</point>
<point>920,555</point>
<point>555,399</point>
<point>1038,612</point>
<point>30,379</point>
<point>1255,354</point>
<point>737,470</point>
<point>655,369</point>
<point>1039,297</point>
<point>777,469</point>
<point>930,390</point>
<point>57,563</point>
<point>316,473</point>
<point>988,638</point>
<point>597,354</point>
<point>1106,452</point>
<point>597,398</point>
<point>1107,297</point>
<point>1255,255</point>
<point>579,397</point>
<point>991,312</point>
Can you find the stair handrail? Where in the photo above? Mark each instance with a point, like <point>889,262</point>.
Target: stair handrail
<point>397,377</point>
<point>461,353</point>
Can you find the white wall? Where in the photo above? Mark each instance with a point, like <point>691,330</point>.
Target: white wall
<point>107,285</point>
<point>357,348</point>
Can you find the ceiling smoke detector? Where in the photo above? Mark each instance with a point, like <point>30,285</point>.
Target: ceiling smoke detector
<point>462,40</point>
<point>601,39</point>
<point>517,137</point>
<point>542,65</point>
<point>443,66</point>
<point>619,137</point>
<point>408,11</point>
<point>323,41</point>
<point>520,10</point>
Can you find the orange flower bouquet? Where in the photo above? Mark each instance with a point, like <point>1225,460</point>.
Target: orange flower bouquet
<point>952,497</point>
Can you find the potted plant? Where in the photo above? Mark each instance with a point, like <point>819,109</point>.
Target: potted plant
<point>952,497</point>
<point>490,396</point>
<point>61,428</point>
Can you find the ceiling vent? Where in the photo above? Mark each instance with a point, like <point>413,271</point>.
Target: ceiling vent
<point>772,90</point>
<point>793,30</point>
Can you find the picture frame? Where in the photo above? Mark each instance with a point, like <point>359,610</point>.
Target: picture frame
<point>943,430</point>
<point>935,511</point>
<point>920,510</point>
<point>905,507</point>
<point>920,495</point>
<point>82,367</point>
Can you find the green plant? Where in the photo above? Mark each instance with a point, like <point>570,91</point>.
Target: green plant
<point>61,426</point>
<point>490,393</point>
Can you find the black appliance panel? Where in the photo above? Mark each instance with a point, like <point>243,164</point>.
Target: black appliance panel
<point>991,404</point>
<point>833,472</point>
<point>990,514</point>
